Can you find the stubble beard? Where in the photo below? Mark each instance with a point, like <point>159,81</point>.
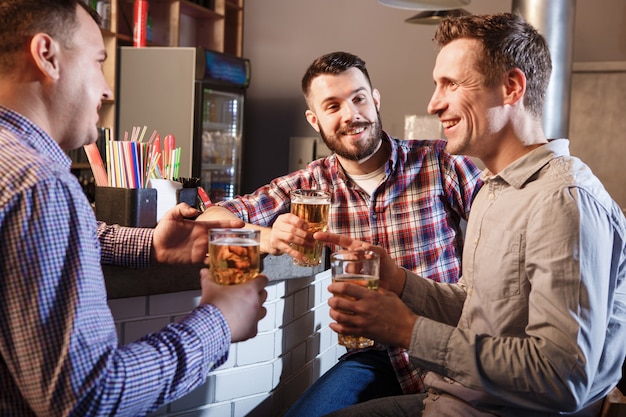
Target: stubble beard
<point>460,146</point>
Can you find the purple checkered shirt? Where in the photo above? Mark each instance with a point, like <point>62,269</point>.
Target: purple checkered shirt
<point>415,213</point>
<point>59,350</point>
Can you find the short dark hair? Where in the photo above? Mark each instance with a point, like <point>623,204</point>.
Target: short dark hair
<point>20,20</point>
<point>332,63</point>
<point>508,42</point>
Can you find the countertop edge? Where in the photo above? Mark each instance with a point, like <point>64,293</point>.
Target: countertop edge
<point>123,282</point>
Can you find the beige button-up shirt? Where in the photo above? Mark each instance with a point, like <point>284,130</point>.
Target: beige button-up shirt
<point>537,323</point>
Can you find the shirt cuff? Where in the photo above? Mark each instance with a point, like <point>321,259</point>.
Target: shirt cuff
<point>213,333</point>
<point>125,246</point>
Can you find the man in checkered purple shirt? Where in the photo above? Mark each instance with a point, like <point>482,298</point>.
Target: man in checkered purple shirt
<point>59,351</point>
<point>406,196</point>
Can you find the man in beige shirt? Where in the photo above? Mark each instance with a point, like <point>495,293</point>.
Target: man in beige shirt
<point>537,323</point>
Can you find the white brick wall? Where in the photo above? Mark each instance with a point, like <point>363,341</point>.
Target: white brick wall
<point>264,375</point>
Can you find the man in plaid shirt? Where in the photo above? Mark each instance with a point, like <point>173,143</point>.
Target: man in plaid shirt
<point>406,196</point>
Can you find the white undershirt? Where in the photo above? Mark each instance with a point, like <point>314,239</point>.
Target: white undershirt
<point>369,182</point>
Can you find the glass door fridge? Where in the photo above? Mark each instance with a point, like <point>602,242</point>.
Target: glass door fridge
<point>219,124</point>
<point>196,95</point>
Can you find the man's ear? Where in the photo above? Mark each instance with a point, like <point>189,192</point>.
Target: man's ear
<point>514,86</point>
<point>376,95</point>
<point>45,53</point>
<point>312,119</point>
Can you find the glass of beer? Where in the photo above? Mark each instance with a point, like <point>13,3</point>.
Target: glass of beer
<point>312,206</point>
<point>357,267</point>
<point>234,255</point>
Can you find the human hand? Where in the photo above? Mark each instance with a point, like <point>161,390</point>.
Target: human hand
<point>392,277</point>
<point>178,240</point>
<point>241,304</point>
<point>288,230</point>
<point>379,315</point>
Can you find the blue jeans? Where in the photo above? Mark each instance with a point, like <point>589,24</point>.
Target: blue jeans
<point>354,379</point>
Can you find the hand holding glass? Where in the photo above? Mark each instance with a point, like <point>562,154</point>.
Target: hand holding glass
<point>311,206</point>
<point>234,255</point>
<point>356,267</point>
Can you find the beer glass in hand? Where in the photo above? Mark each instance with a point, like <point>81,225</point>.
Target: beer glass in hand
<point>358,267</point>
<point>234,255</point>
<point>311,206</point>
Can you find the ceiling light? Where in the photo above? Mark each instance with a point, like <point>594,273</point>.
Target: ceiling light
<point>433,17</point>
<point>425,4</point>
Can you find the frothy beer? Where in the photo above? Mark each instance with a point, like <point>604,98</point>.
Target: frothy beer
<point>311,206</point>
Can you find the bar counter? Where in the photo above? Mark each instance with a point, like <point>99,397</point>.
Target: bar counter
<point>263,376</point>
<point>122,282</point>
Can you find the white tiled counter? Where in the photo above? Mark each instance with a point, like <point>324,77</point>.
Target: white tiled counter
<point>264,375</point>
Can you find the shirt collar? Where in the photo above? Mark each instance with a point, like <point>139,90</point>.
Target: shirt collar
<point>393,155</point>
<point>33,136</point>
<point>522,169</point>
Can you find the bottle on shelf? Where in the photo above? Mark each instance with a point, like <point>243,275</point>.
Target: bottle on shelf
<point>149,28</point>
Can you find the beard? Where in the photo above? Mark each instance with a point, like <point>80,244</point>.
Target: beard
<point>363,150</point>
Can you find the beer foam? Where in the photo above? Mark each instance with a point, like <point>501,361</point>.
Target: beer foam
<point>311,201</point>
<point>234,241</point>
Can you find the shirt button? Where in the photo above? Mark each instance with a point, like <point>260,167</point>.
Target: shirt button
<point>492,196</point>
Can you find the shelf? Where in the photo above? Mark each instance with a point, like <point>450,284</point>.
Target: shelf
<point>124,38</point>
<point>198,12</point>
<point>233,5</point>
<point>217,167</point>
<point>174,23</point>
<point>183,23</point>
<point>217,127</point>
<point>107,33</point>
<point>233,27</point>
<point>81,165</point>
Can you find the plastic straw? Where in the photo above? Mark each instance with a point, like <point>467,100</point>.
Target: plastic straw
<point>132,163</point>
<point>97,166</point>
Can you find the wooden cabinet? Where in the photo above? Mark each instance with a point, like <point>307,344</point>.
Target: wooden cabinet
<point>218,27</point>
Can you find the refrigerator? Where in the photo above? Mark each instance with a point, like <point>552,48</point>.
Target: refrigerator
<point>196,95</point>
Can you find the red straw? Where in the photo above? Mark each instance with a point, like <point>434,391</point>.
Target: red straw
<point>97,166</point>
<point>141,20</point>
